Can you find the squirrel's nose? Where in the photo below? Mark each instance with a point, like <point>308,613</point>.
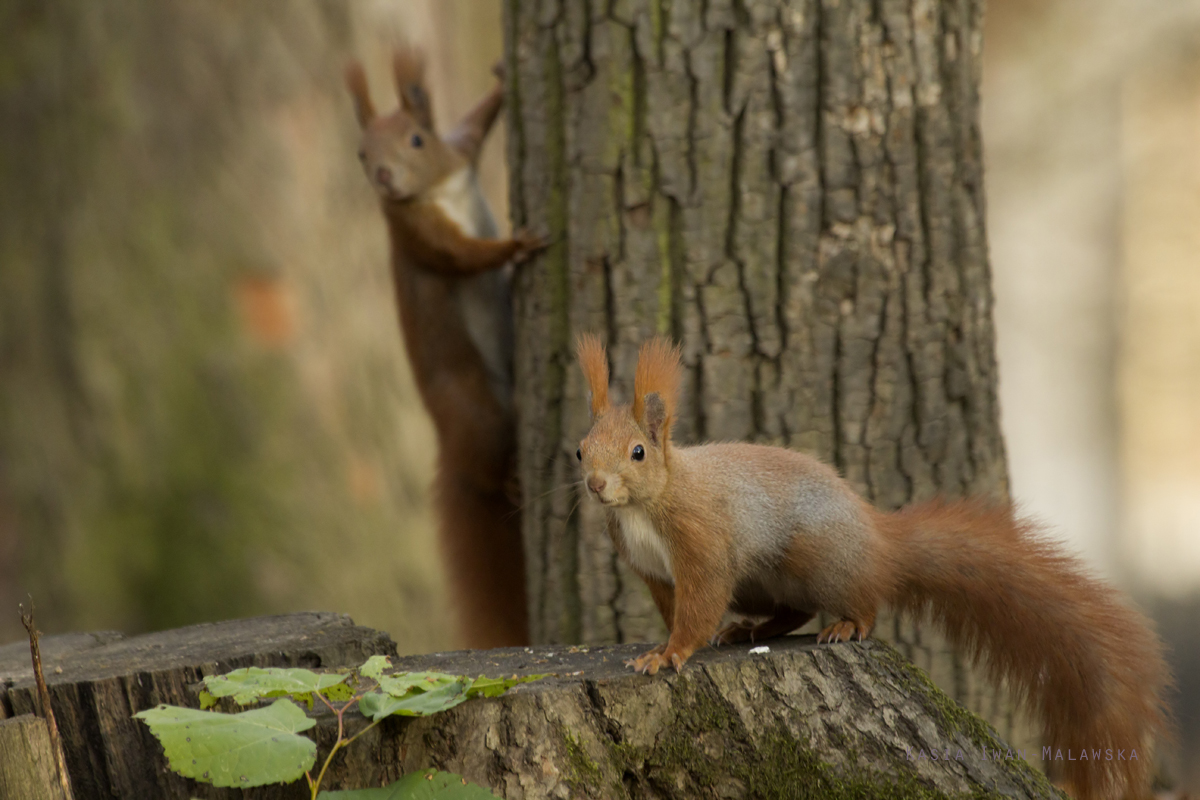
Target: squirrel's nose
<point>596,483</point>
<point>384,176</point>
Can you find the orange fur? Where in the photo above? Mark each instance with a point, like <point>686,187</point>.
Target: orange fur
<point>432,238</point>
<point>659,372</point>
<point>408,68</point>
<point>1089,667</point>
<point>356,82</point>
<point>480,542</point>
<point>468,135</point>
<point>594,361</point>
<point>702,529</point>
<point>466,387</point>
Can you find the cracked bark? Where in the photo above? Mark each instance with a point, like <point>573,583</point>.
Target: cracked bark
<point>793,190</point>
<point>799,721</point>
<point>803,720</point>
<point>97,681</point>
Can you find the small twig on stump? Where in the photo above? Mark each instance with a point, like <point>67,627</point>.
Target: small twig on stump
<point>60,761</point>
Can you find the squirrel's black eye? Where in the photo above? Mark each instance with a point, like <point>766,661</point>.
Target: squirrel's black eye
<point>362,155</point>
<point>639,453</point>
<point>579,454</point>
<point>416,140</point>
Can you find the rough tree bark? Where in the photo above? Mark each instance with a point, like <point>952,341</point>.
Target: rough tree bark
<point>793,190</point>
<point>850,720</point>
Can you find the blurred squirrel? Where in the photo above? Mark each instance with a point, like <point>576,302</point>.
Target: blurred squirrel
<point>778,535</point>
<point>456,315</point>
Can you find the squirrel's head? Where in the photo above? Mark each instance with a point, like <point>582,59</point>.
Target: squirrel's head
<point>626,453</point>
<point>400,152</point>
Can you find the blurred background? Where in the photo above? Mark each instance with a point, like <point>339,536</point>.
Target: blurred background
<point>205,410</point>
<point>1091,131</point>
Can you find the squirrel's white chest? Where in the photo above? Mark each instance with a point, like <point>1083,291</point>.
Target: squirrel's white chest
<point>647,551</point>
<point>461,200</point>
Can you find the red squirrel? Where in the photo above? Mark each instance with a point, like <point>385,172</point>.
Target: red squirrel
<point>777,535</point>
<point>456,316</point>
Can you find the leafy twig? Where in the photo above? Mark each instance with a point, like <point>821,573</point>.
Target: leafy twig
<point>315,786</point>
<point>252,748</point>
<point>342,742</point>
<point>35,651</point>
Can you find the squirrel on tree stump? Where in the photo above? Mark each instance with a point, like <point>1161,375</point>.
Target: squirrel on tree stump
<point>778,536</point>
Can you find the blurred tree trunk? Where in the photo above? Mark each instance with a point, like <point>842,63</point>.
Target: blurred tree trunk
<point>791,189</point>
<point>205,410</point>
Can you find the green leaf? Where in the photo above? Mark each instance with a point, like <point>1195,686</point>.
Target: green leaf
<point>428,784</point>
<point>402,683</point>
<point>417,704</point>
<point>421,693</point>
<point>207,701</point>
<point>253,683</point>
<point>374,666</point>
<point>338,693</point>
<point>494,687</point>
<point>247,749</point>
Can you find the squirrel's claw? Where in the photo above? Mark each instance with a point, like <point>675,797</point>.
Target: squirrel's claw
<point>842,631</point>
<point>641,663</point>
<point>650,662</point>
<point>734,633</point>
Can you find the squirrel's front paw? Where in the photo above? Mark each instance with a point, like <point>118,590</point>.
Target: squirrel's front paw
<point>639,662</point>
<point>651,661</point>
<point>528,243</point>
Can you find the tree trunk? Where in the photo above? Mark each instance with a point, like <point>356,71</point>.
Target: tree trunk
<point>793,191</point>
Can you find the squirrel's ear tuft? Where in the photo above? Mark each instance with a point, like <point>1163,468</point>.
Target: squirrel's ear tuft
<point>656,387</point>
<point>356,82</point>
<point>408,65</point>
<point>594,362</point>
<point>655,418</point>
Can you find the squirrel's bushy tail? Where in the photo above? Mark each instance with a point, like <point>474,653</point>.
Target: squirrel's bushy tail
<point>480,540</point>
<point>1089,667</point>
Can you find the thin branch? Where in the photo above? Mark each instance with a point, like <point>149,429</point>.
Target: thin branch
<point>364,730</point>
<point>60,760</point>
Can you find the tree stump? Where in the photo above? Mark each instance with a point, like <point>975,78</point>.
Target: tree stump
<point>98,681</point>
<point>27,769</point>
<point>799,720</point>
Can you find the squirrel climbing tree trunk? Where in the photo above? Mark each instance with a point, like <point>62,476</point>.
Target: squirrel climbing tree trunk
<point>793,190</point>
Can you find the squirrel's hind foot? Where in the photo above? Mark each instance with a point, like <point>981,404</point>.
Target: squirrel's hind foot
<point>734,633</point>
<point>783,622</point>
<point>843,631</point>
